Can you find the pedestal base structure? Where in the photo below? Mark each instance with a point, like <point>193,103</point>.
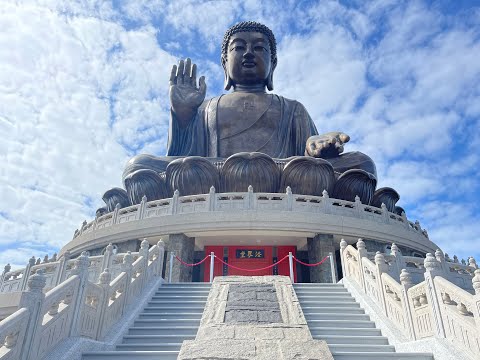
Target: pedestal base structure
<point>253,317</point>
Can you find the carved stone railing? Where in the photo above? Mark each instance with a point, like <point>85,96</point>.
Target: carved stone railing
<point>57,271</point>
<point>248,201</point>
<point>76,306</point>
<point>435,307</point>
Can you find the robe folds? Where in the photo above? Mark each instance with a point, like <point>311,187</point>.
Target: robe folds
<point>201,136</point>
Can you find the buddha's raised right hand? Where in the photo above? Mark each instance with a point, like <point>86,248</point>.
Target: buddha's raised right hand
<point>185,96</point>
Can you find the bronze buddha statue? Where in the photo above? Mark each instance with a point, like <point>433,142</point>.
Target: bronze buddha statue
<point>248,136</point>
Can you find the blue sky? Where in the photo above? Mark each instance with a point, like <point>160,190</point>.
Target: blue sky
<point>84,86</point>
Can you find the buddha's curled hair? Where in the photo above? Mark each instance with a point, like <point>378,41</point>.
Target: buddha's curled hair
<point>250,26</point>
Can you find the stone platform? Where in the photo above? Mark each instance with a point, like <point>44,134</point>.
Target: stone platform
<point>253,317</point>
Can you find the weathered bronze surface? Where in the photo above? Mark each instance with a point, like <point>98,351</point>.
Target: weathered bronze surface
<point>247,135</point>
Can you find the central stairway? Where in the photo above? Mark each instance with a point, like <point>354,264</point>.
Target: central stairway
<point>333,315</point>
<point>171,316</point>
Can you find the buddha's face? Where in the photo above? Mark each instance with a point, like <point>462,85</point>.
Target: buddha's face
<point>248,58</point>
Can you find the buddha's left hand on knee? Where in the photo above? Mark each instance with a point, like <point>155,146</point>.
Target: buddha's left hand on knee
<point>326,145</point>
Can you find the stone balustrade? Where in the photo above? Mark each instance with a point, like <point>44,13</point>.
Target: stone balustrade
<point>76,306</point>
<point>197,214</point>
<point>438,306</point>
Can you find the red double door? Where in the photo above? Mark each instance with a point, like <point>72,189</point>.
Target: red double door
<point>242,258</point>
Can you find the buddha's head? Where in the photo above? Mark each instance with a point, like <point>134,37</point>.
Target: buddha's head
<point>249,55</point>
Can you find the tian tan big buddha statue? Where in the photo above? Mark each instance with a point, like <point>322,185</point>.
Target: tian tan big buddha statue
<point>246,137</point>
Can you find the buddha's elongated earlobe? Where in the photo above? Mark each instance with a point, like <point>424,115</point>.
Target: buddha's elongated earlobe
<point>270,80</point>
<point>227,82</point>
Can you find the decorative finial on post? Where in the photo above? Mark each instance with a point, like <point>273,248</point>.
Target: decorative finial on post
<point>117,207</point>
<point>128,258</point>
<point>54,257</point>
<point>325,194</point>
<point>430,263</point>
<point>379,258</point>
<point>144,199</point>
<point>250,188</point>
<point>464,262</point>
<point>176,193</point>
<point>45,259</point>
<point>212,189</point>
<point>472,262</point>
<point>343,244</point>
<point>383,207</point>
<point>7,268</point>
<point>145,244</point>
<point>31,261</point>
<point>105,277</point>
<point>394,249</point>
<point>37,262</point>
<point>288,190</point>
<point>357,199</point>
<point>439,255</point>
<point>447,258</point>
<point>37,281</point>
<point>455,259</point>
<point>406,278</point>
<point>476,282</point>
<point>361,245</point>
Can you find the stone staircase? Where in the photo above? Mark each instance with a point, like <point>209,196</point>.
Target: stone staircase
<point>333,315</point>
<point>171,316</point>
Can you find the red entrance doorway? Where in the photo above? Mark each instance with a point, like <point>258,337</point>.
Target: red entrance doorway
<point>249,257</point>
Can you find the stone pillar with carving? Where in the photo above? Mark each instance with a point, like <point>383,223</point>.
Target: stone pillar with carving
<point>381,268</point>
<point>319,247</point>
<point>432,269</point>
<point>183,247</point>
<point>32,299</point>
<point>81,270</point>
<point>407,283</point>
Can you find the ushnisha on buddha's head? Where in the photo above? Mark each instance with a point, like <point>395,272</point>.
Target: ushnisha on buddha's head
<point>249,56</point>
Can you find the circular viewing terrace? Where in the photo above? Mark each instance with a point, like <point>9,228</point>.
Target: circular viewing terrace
<point>266,215</point>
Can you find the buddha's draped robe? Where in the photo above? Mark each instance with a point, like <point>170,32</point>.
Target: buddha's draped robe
<point>290,123</point>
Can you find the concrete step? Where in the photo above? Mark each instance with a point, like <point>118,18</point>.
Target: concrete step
<point>335,315</point>
<point>150,347</point>
<point>335,348</point>
<point>335,323</point>
<point>173,297</point>
<point>328,304</point>
<point>343,331</point>
<point>337,310</point>
<point>174,309</point>
<point>129,355</point>
<point>156,339</point>
<point>170,315</point>
<point>355,355</point>
<point>325,297</point>
<point>301,294</point>
<point>166,322</point>
<point>186,304</point>
<point>182,291</point>
<point>163,330</point>
<point>342,339</point>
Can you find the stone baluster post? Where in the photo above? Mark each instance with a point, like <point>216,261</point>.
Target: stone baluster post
<point>104,282</point>
<point>80,270</point>
<point>128,269</point>
<point>32,299</point>
<point>141,209</point>
<point>174,205</point>
<point>62,268</point>
<point>289,193</point>
<point>326,203</point>
<point>107,257</point>
<point>432,269</point>
<point>6,269</point>
<point>399,261</point>
<point>115,214</point>
<point>362,252</point>
<point>26,274</point>
<point>385,215</point>
<point>381,267</point>
<point>250,198</point>
<point>407,283</point>
<point>343,246</point>
<point>359,207</point>
<point>476,297</point>
<point>143,252</point>
<point>472,263</point>
<point>211,199</point>
<point>160,258</point>
<point>443,264</point>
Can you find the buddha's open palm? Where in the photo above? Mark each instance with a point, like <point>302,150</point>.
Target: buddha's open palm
<point>185,96</point>
<point>326,145</point>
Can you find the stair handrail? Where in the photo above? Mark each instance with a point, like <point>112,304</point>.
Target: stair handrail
<point>76,306</point>
<point>435,307</point>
